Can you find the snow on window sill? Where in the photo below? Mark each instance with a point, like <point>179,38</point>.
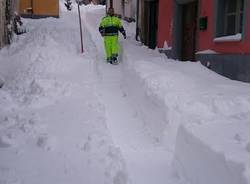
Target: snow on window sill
<point>231,38</point>
<point>208,51</point>
<point>169,48</point>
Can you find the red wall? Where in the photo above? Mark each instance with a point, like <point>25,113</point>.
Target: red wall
<point>205,38</point>
<point>165,22</point>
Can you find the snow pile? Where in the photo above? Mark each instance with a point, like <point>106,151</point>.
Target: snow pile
<point>50,117</point>
<point>193,155</point>
<point>209,109</point>
<point>200,115</point>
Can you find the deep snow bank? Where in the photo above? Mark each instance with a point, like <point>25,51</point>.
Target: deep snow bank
<point>177,97</point>
<point>201,116</point>
<point>202,165</point>
<point>210,146</point>
<point>50,116</point>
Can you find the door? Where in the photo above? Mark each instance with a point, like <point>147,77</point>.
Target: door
<point>46,8</point>
<point>151,23</point>
<point>189,27</point>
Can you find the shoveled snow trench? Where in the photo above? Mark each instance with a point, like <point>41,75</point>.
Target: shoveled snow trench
<point>146,158</point>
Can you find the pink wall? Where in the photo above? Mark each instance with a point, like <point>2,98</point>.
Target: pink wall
<point>205,38</point>
<point>165,22</point>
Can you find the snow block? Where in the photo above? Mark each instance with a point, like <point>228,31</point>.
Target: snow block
<point>199,164</point>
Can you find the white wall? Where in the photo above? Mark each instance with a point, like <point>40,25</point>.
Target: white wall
<point>117,4</point>
<point>129,8</point>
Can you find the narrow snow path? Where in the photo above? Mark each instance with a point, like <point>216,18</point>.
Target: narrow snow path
<point>146,159</point>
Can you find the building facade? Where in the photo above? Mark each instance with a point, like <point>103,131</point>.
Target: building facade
<point>215,32</point>
<point>147,22</point>
<point>39,8</point>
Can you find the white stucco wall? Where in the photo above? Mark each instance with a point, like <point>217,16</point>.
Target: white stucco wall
<point>117,4</point>
<point>129,7</point>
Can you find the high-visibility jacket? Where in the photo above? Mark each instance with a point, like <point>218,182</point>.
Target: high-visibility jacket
<point>110,25</point>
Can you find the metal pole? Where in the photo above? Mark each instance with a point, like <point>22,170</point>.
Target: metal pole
<point>137,20</point>
<point>80,23</point>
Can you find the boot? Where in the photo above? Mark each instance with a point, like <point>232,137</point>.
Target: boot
<point>109,60</point>
<point>114,60</point>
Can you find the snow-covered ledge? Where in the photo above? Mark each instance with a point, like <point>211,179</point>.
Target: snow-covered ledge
<point>232,38</point>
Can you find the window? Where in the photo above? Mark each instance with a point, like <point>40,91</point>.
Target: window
<point>229,17</point>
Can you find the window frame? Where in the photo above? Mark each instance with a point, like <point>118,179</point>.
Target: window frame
<point>220,19</point>
<point>237,13</point>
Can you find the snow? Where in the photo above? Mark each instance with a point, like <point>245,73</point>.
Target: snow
<point>232,38</point>
<point>208,51</point>
<point>68,117</point>
<point>166,46</point>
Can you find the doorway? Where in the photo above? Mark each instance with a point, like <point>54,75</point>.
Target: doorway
<point>150,23</point>
<point>189,30</point>
<point>185,29</point>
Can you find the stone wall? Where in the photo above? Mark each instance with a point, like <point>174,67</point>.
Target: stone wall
<point>233,66</point>
<point>7,9</point>
<point>2,23</point>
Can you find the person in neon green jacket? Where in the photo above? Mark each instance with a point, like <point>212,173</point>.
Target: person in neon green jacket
<point>109,29</point>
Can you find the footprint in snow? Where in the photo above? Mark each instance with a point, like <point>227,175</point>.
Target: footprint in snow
<point>46,142</point>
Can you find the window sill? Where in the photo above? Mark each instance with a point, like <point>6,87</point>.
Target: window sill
<point>231,38</point>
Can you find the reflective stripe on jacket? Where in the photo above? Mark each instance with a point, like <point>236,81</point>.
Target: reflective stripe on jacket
<point>110,25</point>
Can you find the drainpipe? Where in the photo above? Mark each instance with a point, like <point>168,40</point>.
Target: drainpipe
<point>137,21</point>
<point>111,4</point>
<point>123,9</point>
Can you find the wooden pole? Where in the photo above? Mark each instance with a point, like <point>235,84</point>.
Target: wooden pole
<point>80,23</point>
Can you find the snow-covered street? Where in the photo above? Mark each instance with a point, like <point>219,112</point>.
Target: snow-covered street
<point>67,117</point>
